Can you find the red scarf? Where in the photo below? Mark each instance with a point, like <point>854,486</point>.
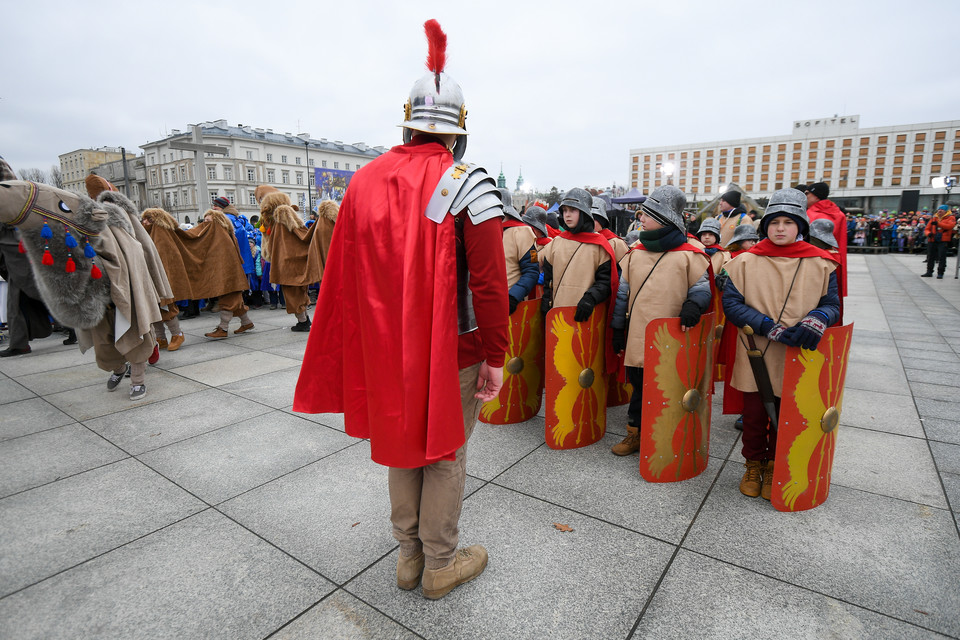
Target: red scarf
<point>612,363</point>
<point>799,249</point>
<point>509,223</point>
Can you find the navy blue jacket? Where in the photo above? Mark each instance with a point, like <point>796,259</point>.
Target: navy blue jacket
<point>740,314</point>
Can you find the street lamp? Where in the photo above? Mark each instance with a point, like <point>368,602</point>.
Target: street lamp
<point>667,169</point>
<point>306,149</point>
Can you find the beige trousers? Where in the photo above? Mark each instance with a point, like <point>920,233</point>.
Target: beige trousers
<point>296,299</point>
<point>426,501</point>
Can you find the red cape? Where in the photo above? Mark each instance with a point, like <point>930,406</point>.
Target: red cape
<point>509,223</point>
<point>827,209</point>
<point>383,346</point>
<point>611,361</point>
<point>553,233</point>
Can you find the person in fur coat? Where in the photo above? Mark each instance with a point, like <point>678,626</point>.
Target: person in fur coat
<point>231,304</point>
<point>96,269</point>
<point>296,253</point>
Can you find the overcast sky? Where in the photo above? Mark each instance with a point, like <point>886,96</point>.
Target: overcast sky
<point>563,89</point>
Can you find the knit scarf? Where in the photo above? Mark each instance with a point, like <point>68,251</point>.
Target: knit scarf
<point>662,239</point>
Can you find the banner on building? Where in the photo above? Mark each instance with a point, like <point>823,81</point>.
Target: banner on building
<point>331,183</point>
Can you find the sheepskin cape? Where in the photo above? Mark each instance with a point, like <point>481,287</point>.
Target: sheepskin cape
<point>297,253</point>
<point>202,262</point>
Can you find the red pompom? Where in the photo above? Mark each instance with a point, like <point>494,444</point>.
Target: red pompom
<point>95,272</point>
<point>21,248</point>
<point>436,46</point>
<point>71,266</point>
<point>47,258</point>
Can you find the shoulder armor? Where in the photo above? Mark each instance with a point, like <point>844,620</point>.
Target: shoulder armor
<point>465,186</point>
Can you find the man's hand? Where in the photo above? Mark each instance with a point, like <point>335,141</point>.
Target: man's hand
<point>489,382</point>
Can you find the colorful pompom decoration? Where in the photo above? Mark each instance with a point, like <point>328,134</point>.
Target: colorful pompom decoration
<point>21,248</point>
<point>71,266</point>
<point>46,233</point>
<point>88,251</point>
<point>95,272</point>
<point>47,258</point>
<point>70,240</point>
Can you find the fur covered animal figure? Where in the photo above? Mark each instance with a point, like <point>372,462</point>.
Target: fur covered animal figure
<point>291,248</point>
<point>60,233</point>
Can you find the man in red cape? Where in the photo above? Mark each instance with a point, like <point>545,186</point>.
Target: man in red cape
<point>818,206</point>
<point>397,343</point>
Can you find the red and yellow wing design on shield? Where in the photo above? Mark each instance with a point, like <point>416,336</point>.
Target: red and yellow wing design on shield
<point>809,414</point>
<point>677,398</point>
<point>576,388</point>
<point>519,398</point>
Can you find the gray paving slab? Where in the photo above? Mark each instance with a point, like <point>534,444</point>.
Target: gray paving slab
<point>221,464</point>
<point>272,338</point>
<point>291,350</point>
<point>951,486</point>
<point>12,391</point>
<point>47,382</point>
<point>880,411</point>
<point>930,337</point>
<point>30,416</point>
<point>472,485</point>
<point>560,598</point>
<point>61,524</point>
<point>332,420</point>
<point>203,577</point>
<point>196,351</point>
<point>947,456</point>
<point>942,430</point>
<point>96,401</point>
<point>869,377</point>
<point>908,345</point>
<point>938,408</point>
<point>494,448</point>
<point>43,457</point>
<point>935,391</point>
<point>872,551</point>
<point>929,377</point>
<point>940,354</point>
<point>744,604</point>
<point>595,482</point>
<point>232,368</point>
<point>333,515</point>
<point>148,427</point>
<point>888,464</point>
<point>344,617</point>
<point>874,354</point>
<point>274,389</point>
<point>951,370</point>
<point>44,360</point>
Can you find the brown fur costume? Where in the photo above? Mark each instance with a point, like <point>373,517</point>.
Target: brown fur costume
<point>202,262</point>
<point>292,249</point>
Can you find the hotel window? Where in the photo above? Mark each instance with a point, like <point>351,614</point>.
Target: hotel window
<point>794,177</point>
<point>878,182</point>
<point>812,154</point>
<point>766,148</point>
<point>895,182</point>
<point>847,142</point>
<point>899,149</point>
<point>781,156</point>
<point>844,163</point>
<point>828,153</point>
<point>915,181</point>
<point>918,148</point>
<point>659,157</point>
<point>811,176</point>
<point>811,165</point>
<point>940,135</point>
<point>916,170</point>
<point>860,183</point>
<point>918,159</point>
<point>845,153</point>
<point>780,166</point>
<point>723,152</point>
<point>880,161</point>
<point>920,137</point>
<point>902,137</point>
<point>765,158</point>
<point>780,147</point>
<point>861,172</point>
<point>898,171</point>
<point>814,144</point>
<point>934,168</point>
<point>864,142</point>
<point>898,160</point>
<point>799,145</point>
<point>864,151</point>
<point>751,159</point>
<point>878,172</point>
<point>709,154</point>
<point>938,146</point>
<point>827,163</point>
<point>826,175</point>
<point>882,140</point>
<point>881,151</point>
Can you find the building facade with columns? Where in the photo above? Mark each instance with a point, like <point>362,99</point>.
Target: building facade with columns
<point>873,168</point>
<point>253,157</point>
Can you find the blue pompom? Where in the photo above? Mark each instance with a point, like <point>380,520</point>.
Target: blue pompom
<point>45,232</point>
<point>70,240</point>
<point>88,251</point>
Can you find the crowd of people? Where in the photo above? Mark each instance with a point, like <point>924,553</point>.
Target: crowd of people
<point>414,327</point>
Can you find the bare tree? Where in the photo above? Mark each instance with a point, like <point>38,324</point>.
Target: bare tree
<point>33,175</point>
<point>56,176</point>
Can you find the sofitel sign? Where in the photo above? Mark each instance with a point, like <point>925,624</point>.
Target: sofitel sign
<point>825,122</point>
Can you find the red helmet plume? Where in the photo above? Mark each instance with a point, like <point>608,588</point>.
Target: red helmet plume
<point>436,49</point>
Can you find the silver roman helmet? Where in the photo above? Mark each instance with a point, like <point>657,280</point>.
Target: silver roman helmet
<point>578,199</point>
<point>740,233</point>
<point>710,225</point>
<point>436,103</point>
<point>665,204</point>
<point>598,209</point>
<point>507,198</point>
<point>822,229</point>
<point>788,202</point>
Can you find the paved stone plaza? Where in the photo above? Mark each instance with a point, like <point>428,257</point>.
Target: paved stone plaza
<point>211,510</point>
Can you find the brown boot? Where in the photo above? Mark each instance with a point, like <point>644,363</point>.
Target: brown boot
<point>175,342</point>
<point>767,489</point>
<point>161,343</point>
<point>244,328</point>
<point>409,570</point>
<point>628,445</point>
<point>750,484</point>
<point>217,333</point>
<point>465,566</point>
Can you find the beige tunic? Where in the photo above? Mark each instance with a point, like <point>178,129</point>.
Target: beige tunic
<point>619,247</point>
<point>719,259</point>
<point>574,266</point>
<point>661,296</point>
<point>727,226</point>
<point>764,282</point>
<point>516,247</point>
